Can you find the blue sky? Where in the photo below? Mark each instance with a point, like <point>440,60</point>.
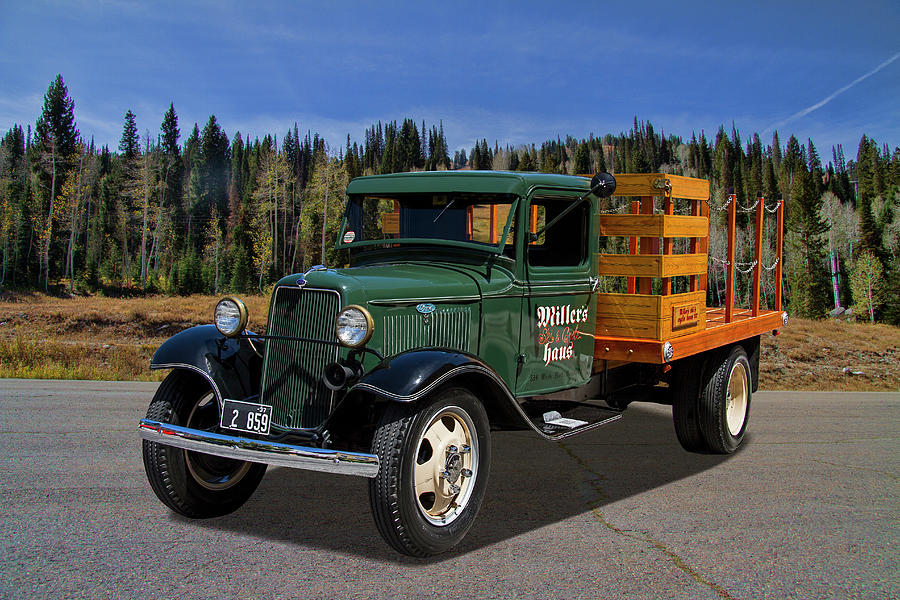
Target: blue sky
<point>514,72</point>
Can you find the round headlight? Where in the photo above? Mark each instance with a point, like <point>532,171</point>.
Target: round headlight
<point>353,326</point>
<point>230,316</point>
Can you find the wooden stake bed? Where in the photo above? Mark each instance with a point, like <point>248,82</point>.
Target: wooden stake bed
<point>637,326</point>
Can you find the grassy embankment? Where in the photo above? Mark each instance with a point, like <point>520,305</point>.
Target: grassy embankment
<point>114,338</point>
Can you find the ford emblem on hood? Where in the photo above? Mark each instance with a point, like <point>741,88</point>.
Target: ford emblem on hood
<point>426,308</point>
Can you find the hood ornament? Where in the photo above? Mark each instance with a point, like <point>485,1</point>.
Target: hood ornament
<point>301,281</point>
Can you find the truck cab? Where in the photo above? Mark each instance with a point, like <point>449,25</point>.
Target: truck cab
<point>471,302</point>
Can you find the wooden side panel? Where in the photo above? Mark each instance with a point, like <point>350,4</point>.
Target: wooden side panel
<point>652,265</point>
<point>628,315</point>
<point>654,225</point>
<point>649,316</point>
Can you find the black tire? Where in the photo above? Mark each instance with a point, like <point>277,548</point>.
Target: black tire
<point>725,402</point>
<point>192,484</point>
<point>437,517</point>
<point>686,377</point>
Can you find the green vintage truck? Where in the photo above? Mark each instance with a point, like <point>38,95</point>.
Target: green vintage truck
<point>473,301</point>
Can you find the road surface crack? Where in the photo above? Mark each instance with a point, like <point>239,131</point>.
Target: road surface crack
<point>602,498</point>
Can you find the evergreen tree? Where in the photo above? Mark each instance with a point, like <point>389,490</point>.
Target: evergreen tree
<point>582,159</point>
<point>54,145</point>
<point>130,144</point>
<point>809,278</point>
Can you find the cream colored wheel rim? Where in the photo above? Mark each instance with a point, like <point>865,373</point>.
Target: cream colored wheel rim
<point>445,465</point>
<point>738,396</point>
<point>211,472</point>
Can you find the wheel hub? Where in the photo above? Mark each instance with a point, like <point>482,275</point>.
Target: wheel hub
<point>453,468</point>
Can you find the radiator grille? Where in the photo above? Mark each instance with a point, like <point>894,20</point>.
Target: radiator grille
<point>445,328</point>
<point>292,370</point>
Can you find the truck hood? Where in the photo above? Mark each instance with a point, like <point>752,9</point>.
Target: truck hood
<point>398,284</point>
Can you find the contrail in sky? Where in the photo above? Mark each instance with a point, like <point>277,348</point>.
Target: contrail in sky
<point>825,101</point>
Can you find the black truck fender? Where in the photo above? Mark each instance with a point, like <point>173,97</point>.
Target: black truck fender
<point>412,375</point>
<point>230,366</point>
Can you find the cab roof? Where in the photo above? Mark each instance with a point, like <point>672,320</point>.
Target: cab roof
<point>485,182</point>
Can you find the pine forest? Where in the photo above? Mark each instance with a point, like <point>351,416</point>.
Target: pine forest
<point>207,213</point>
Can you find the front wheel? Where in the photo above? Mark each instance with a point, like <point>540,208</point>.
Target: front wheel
<point>194,484</point>
<point>435,457</point>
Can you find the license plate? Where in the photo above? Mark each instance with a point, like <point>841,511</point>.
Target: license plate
<point>246,416</point>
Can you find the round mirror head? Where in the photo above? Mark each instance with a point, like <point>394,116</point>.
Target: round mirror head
<point>603,185</point>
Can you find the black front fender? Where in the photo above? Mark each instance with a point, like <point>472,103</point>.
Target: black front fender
<point>413,375</point>
<point>230,366</point>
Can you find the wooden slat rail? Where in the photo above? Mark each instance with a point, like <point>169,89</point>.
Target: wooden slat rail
<point>654,225</point>
<point>656,184</point>
<point>652,265</point>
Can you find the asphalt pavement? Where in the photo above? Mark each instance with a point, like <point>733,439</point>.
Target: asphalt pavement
<point>808,508</point>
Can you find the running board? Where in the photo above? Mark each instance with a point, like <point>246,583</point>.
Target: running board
<point>560,419</point>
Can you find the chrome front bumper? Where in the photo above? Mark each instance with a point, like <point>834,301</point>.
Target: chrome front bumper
<point>260,451</point>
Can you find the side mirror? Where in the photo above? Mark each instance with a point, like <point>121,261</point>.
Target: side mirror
<point>603,185</point>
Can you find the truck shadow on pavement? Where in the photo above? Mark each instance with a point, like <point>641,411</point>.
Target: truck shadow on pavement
<point>533,483</point>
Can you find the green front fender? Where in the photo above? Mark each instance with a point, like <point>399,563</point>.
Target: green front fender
<point>413,375</point>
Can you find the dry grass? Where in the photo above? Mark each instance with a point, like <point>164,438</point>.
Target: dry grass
<point>114,338</point>
<point>824,355</point>
<point>45,337</point>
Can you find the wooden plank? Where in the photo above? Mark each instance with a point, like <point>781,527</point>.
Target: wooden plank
<point>655,184</point>
<point>654,225</point>
<point>689,188</point>
<point>629,350</point>
<point>632,305</point>
<point>647,328</point>
<point>652,265</point>
<point>683,264</point>
<point>638,184</point>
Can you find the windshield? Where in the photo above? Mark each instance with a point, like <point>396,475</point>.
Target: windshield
<point>483,220</point>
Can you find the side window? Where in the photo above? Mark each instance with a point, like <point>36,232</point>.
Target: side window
<point>566,242</point>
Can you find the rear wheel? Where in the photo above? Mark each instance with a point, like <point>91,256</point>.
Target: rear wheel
<point>194,484</point>
<point>686,380</point>
<point>725,402</point>
<point>435,457</point>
